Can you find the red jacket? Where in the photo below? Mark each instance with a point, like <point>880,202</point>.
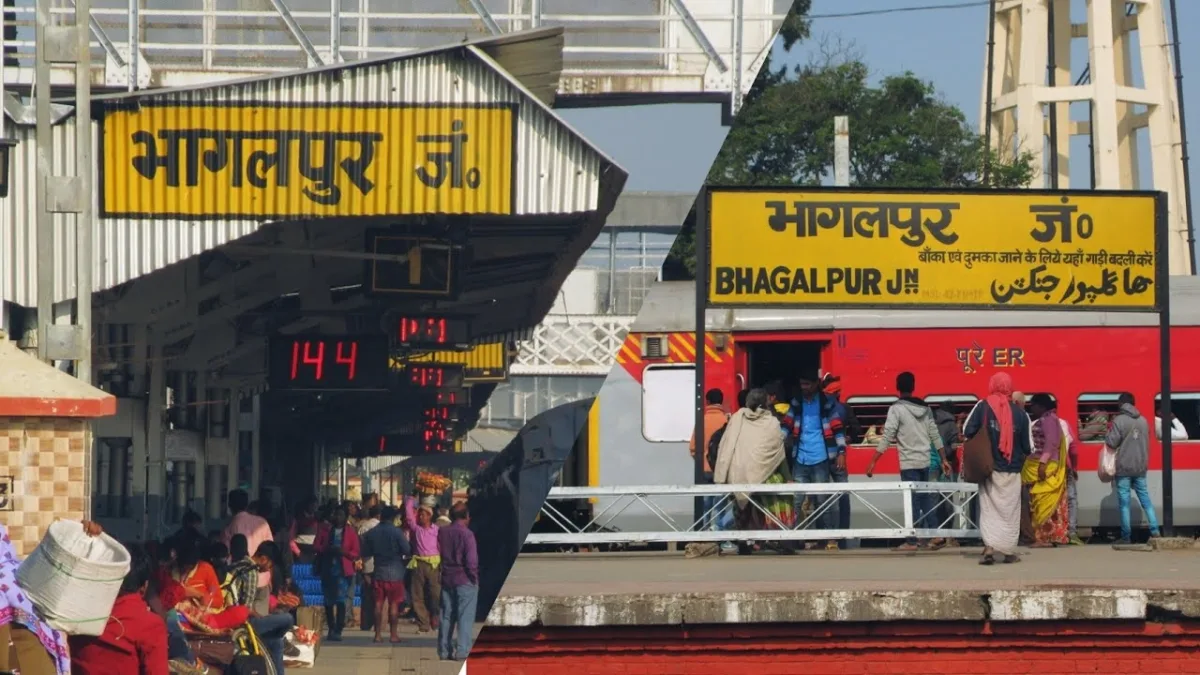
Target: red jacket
<point>133,642</point>
<point>350,546</point>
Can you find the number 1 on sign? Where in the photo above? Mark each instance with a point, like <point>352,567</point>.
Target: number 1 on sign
<point>348,358</point>
<point>302,354</point>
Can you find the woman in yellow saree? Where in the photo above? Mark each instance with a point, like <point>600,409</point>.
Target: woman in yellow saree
<point>1045,472</point>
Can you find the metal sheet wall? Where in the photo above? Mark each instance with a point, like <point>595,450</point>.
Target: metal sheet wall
<point>125,249</point>
<point>558,171</point>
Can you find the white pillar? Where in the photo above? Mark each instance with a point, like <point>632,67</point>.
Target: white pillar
<point>1166,145</point>
<point>1104,94</point>
<point>1019,84</point>
<point>1031,120</point>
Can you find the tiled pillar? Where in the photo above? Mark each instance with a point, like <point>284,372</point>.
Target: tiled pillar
<point>45,460</point>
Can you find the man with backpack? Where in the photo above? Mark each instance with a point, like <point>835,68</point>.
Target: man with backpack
<point>715,419</point>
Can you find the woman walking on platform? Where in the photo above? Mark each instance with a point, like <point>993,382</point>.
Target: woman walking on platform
<point>1008,432</point>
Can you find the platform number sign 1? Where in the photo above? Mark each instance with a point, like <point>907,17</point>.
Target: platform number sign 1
<point>328,363</point>
<point>433,332</point>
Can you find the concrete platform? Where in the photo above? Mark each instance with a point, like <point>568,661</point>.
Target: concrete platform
<point>1075,583</point>
<point>359,655</point>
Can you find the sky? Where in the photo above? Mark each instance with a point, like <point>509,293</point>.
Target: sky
<point>670,147</point>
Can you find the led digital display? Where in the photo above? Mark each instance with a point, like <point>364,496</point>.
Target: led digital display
<point>435,377</point>
<point>409,445</point>
<point>435,429</point>
<point>328,362</point>
<point>454,397</point>
<point>433,332</point>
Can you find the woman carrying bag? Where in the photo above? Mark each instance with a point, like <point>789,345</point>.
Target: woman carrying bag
<point>998,441</point>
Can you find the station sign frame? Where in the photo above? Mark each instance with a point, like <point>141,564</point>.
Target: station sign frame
<point>873,220</point>
<point>952,237</point>
<point>282,160</point>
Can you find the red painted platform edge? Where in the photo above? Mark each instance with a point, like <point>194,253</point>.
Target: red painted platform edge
<point>904,648</point>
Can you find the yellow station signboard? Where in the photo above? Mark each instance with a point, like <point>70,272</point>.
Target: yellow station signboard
<point>984,248</point>
<point>263,161</point>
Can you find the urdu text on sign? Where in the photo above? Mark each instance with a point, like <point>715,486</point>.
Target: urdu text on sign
<point>995,249</point>
<point>259,161</point>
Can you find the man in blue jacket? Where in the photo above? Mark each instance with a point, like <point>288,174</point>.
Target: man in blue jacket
<point>819,443</point>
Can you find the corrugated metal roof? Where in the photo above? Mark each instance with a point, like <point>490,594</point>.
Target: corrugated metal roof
<point>532,57</point>
<point>125,248</point>
<point>557,171</point>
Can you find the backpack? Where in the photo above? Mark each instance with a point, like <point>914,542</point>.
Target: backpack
<point>714,444</point>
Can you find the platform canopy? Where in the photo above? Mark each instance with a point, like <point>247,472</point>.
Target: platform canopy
<point>234,211</point>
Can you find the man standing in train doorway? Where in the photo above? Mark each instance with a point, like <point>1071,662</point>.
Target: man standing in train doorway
<point>831,386</point>
<point>820,444</point>
<point>910,426</point>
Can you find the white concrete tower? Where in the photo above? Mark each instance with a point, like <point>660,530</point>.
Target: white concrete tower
<point>1131,87</point>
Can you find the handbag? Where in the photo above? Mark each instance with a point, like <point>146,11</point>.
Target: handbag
<point>1107,468</point>
<point>254,664</point>
<point>218,652</point>
<point>977,459</point>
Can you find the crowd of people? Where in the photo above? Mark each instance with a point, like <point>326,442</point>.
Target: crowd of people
<point>414,561</point>
<point>417,560</point>
<point>1027,497</point>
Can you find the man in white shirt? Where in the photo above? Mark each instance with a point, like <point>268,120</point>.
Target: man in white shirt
<point>1178,431</point>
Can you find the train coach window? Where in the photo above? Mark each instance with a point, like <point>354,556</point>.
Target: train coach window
<point>1095,411</point>
<point>871,412</point>
<point>1185,411</point>
<point>960,405</point>
<point>668,403</point>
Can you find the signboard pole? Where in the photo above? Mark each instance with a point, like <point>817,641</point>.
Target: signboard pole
<point>841,151</point>
<point>702,272</point>
<point>1163,282</point>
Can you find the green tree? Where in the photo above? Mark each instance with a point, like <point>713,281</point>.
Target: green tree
<point>901,135</point>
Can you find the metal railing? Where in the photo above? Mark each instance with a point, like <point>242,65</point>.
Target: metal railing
<point>641,47</point>
<point>895,520</point>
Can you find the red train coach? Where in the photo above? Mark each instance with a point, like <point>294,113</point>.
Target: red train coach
<point>1083,359</point>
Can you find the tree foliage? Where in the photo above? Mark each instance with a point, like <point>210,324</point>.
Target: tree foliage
<point>902,134</point>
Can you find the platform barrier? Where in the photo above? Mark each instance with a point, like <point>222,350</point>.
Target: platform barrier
<point>889,504</point>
